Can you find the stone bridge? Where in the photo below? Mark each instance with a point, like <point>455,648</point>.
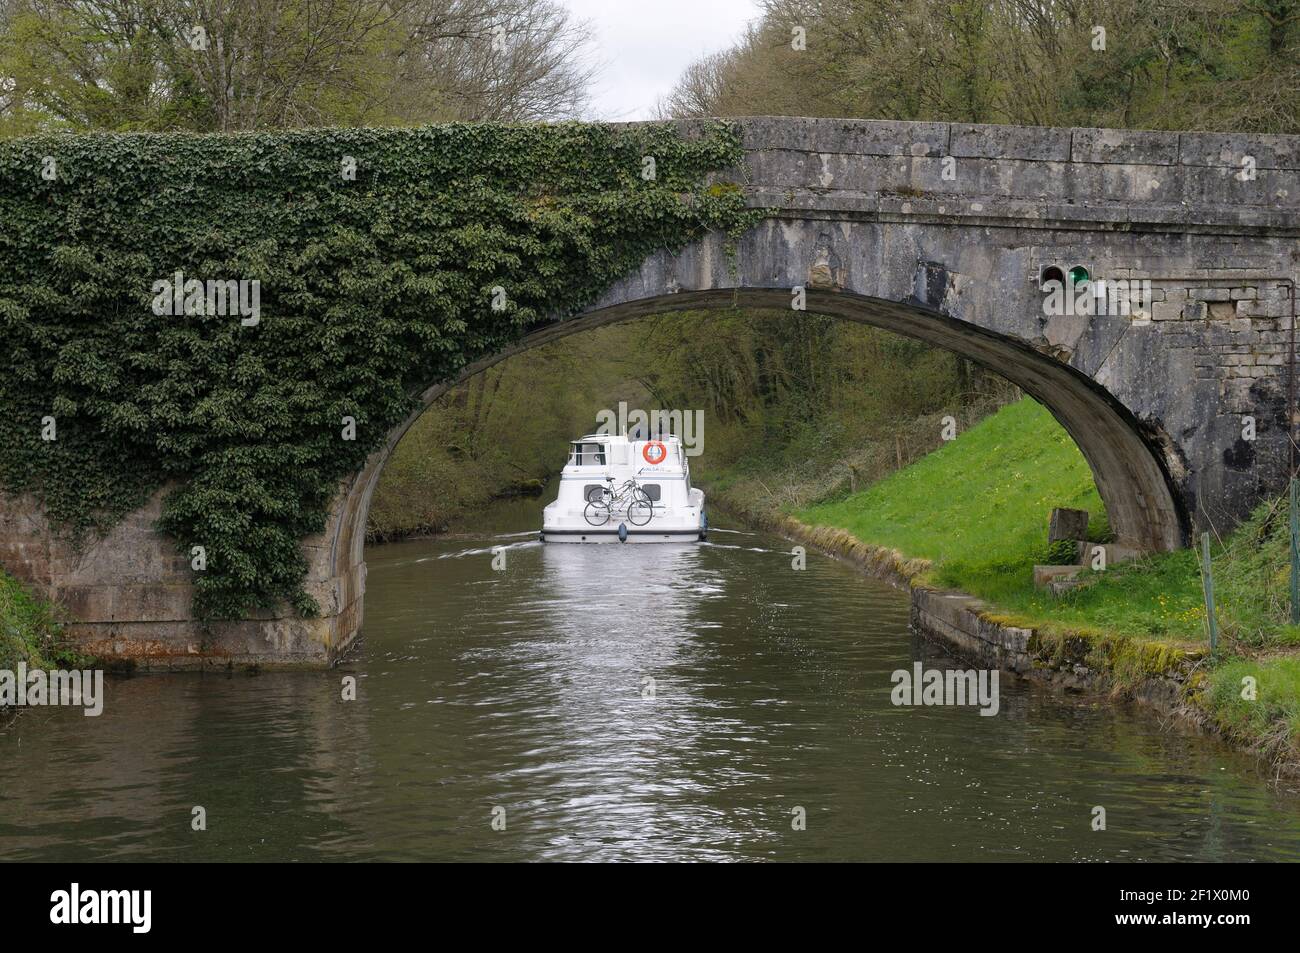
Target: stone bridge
<point>1181,403</point>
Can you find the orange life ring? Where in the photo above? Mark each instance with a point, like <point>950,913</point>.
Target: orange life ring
<point>659,457</point>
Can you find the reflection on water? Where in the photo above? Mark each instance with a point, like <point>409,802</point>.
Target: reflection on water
<point>619,702</point>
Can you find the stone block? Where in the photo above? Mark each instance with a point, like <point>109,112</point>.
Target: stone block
<point>1044,575</point>
<point>1228,149</point>
<point>87,603</point>
<point>1035,143</point>
<point>1063,584</point>
<point>1115,553</point>
<point>1067,524</point>
<point>1124,146</point>
<point>847,136</point>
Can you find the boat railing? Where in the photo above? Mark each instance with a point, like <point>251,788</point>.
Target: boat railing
<point>601,456</point>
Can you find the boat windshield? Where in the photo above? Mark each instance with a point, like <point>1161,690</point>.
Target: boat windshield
<point>587,454</point>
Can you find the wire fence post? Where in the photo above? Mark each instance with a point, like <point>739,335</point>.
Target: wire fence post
<point>1207,579</point>
<point>1295,555</point>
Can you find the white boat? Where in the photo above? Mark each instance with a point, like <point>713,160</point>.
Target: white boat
<point>621,489</point>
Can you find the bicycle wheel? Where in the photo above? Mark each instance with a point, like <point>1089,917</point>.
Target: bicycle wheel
<point>641,509</point>
<point>596,513</point>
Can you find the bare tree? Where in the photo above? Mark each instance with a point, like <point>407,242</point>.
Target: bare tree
<point>498,59</point>
<point>255,64</point>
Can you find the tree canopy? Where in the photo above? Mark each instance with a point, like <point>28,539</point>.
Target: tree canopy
<point>164,65</point>
<point>1159,64</point>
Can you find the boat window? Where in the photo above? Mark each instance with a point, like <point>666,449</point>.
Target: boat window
<point>652,491</point>
<point>592,491</point>
<point>588,454</point>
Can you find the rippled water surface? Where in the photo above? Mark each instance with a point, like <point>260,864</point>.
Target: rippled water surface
<point>619,702</point>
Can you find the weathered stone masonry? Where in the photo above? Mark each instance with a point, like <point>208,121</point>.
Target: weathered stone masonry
<point>939,231</point>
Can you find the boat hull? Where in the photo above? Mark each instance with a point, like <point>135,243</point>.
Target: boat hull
<point>610,534</point>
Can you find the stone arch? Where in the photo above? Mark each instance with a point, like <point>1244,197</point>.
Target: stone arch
<point>1128,459</point>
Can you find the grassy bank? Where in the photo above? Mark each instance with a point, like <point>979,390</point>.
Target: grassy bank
<point>29,627</point>
<point>788,480</point>
<point>976,519</point>
<point>977,510</point>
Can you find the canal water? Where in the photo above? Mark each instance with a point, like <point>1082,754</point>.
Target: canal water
<point>620,703</point>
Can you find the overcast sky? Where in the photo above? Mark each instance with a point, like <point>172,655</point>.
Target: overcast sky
<point>644,45</point>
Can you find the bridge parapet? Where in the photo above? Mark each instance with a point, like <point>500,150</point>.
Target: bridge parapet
<point>1104,178</point>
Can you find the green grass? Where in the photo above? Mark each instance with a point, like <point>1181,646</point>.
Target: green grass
<point>1158,597</point>
<point>978,509</point>
<point>1272,718</point>
<point>29,628</point>
<point>1161,596</point>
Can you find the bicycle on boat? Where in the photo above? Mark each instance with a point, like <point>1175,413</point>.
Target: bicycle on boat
<point>630,497</point>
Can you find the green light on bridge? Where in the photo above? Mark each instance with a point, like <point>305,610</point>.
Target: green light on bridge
<point>1079,275</point>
